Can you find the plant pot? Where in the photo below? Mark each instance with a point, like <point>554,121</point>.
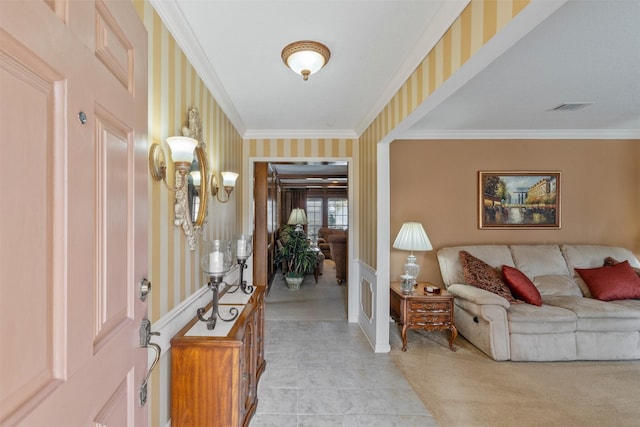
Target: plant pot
<point>293,283</point>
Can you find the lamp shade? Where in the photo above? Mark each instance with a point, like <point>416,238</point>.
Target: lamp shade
<point>412,237</point>
<point>182,148</point>
<point>196,177</point>
<point>229,179</point>
<point>297,217</point>
<point>305,57</point>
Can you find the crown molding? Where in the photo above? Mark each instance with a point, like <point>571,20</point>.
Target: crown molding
<point>173,18</point>
<point>300,134</point>
<point>522,134</point>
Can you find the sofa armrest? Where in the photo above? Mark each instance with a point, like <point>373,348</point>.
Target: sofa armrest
<point>477,296</point>
<point>481,317</point>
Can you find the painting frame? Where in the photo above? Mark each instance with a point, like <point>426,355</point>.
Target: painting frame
<point>519,200</point>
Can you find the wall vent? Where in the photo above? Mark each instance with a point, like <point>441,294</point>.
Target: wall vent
<point>571,106</point>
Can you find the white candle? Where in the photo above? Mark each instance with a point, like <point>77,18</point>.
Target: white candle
<point>242,248</point>
<point>216,262</point>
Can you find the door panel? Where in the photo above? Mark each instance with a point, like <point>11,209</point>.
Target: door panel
<point>72,217</point>
<point>29,285</point>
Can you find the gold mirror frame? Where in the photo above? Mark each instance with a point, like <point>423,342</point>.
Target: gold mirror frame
<point>203,193</point>
<point>193,229</point>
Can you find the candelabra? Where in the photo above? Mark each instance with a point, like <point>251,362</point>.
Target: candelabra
<point>244,250</point>
<point>214,285</point>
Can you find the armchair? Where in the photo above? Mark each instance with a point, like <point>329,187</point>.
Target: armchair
<point>338,247</point>
<point>323,239</point>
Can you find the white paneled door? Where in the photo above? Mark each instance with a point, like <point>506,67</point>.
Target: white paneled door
<point>73,191</point>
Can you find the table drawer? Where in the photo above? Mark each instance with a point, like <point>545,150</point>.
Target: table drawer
<point>429,306</point>
<point>417,319</point>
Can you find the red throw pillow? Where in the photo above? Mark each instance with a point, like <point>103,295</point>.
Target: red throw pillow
<point>481,275</point>
<point>612,282</point>
<point>612,261</point>
<point>520,285</point>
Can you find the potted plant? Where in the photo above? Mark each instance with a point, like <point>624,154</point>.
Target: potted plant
<point>296,256</point>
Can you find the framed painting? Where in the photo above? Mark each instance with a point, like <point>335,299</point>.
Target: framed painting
<point>519,199</point>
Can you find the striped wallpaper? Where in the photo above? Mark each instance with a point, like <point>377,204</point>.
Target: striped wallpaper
<point>174,86</point>
<point>174,271</point>
<point>321,147</point>
<point>475,26</point>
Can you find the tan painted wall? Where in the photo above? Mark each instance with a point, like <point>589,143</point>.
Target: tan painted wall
<point>435,182</point>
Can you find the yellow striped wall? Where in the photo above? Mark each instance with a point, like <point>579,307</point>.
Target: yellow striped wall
<point>174,271</point>
<point>174,86</point>
<point>475,26</point>
<point>311,147</point>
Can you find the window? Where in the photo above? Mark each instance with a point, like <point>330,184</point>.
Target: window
<point>338,213</point>
<point>314,216</point>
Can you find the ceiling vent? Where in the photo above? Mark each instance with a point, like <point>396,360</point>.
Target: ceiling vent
<point>571,106</point>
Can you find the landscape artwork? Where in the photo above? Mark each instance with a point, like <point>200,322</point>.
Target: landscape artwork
<point>519,199</point>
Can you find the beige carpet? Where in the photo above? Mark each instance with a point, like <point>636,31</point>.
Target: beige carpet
<point>467,388</point>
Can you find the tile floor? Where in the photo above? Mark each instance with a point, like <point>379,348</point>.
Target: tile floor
<point>322,372</point>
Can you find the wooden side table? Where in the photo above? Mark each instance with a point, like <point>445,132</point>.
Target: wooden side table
<point>422,310</point>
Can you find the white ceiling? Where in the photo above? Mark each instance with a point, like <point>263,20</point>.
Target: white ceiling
<point>555,51</point>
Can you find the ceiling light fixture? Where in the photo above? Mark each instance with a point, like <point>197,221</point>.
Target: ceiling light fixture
<point>305,57</point>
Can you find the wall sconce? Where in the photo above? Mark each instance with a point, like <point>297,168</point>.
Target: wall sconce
<point>228,182</point>
<point>181,154</point>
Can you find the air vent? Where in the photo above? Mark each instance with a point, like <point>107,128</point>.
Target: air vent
<point>571,106</point>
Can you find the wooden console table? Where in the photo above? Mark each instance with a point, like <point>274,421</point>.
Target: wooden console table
<point>214,379</point>
<point>422,310</point>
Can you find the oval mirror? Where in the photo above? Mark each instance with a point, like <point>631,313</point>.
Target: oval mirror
<point>198,191</point>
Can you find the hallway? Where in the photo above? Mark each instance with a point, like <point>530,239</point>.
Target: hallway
<point>321,370</point>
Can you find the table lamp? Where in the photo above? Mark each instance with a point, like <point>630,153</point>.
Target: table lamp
<point>412,237</point>
<point>298,218</point>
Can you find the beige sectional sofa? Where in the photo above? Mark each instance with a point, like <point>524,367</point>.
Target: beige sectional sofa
<point>567,326</point>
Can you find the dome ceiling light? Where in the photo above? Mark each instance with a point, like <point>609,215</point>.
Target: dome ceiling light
<point>305,57</point>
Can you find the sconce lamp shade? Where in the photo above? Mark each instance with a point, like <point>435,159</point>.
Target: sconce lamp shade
<point>305,57</point>
<point>196,177</point>
<point>182,148</point>
<point>297,217</point>
<point>412,237</point>
<point>229,179</point>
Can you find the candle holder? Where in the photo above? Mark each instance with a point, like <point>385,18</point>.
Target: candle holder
<point>214,284</point>
<point>216,263</point>
<point>242,262</point>
<point>243,252</point>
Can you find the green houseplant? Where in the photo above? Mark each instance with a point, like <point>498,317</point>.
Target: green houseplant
<point>296,256</point>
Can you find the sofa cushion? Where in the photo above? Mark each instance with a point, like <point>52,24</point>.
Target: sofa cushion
<point>546,319</point>
<point>539,260</point>
<point>557,285</point>
<point>520,286</point>
<point>451,268</point>
<point>591,256</point>
<point>481,275</point>
<point>598,316</point>
<point>612,282</point>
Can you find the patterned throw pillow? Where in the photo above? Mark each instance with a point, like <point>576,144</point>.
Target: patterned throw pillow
<point>481,275</point>
<point>612,261</point>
